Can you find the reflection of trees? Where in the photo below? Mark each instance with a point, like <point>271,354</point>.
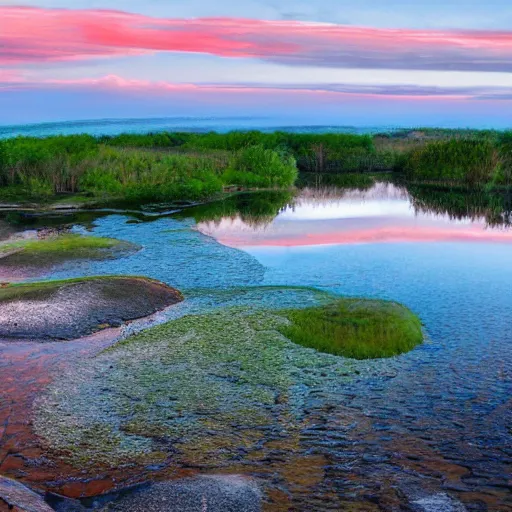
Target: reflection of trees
<point>344,181</point>
<point>254,208</point>
<point>494,208</point>
<point>258,209</point>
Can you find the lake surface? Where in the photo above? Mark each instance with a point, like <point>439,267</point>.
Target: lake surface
<point>433,423</point>
<point>176,124</point>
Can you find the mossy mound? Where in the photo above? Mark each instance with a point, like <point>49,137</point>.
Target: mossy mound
<point>74,308</point>
<point>356,328</point>
<point>35,255</point>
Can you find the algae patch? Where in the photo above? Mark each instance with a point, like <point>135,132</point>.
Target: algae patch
<point>204,390</point>
<point>200,390</point>
<point>40,254</point>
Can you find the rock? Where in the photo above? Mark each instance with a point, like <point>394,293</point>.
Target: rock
<point>74,308</point>
<point>18,498</point>
<point>218,493</point>
<point>440,502</point>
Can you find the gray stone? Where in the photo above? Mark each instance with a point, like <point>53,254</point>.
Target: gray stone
<point>17,497</point>
<point>219,493</point>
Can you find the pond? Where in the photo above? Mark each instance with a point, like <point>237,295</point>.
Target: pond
<point>430,427</point>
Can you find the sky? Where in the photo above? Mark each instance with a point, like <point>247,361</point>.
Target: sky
<point>444,63</point>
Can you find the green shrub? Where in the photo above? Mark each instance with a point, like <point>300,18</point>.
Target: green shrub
<point>467,161</point>
<point>256,166</point>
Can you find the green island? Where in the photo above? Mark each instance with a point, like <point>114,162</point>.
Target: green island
<point>164,167</point>
<point>59,248</point>
<point>356,328</point>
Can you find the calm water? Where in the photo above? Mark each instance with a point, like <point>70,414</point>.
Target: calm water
<point>180,124</point>
<point>438,417</point>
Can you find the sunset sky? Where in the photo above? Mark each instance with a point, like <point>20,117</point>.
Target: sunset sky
<point>393,63</point>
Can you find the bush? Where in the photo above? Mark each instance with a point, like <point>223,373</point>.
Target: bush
<point>467,161</point>
<point>256,166</point>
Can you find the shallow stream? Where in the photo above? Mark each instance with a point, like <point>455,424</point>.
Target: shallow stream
<point>433,424</point>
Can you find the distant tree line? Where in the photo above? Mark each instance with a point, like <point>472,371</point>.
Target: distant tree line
<point>167,165</point>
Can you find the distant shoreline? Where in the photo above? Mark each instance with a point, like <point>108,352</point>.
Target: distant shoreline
<point>116,126</point>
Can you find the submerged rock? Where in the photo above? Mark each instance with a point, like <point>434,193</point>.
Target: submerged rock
<point>217,493</point>
<point>210,493</point>
<point>18,498</point>
<point>423,496</point>
<point>74,308</point>
<point>439,502</point>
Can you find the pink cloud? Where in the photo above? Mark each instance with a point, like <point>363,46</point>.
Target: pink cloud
<point>44,35</point>
<point>326,91</point>
<point>9,76</point>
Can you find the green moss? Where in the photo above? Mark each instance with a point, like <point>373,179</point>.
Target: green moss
<point>355,328</point>
<point>40,290</point>
<point>60,248</point>
<point>201,384</point>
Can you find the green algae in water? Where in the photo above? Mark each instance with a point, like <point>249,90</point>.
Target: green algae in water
<point>197,387</point>
<point>356,328</point>
<point>200,389</point>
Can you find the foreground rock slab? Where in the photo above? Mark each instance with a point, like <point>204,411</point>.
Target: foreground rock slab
<point>18,498</point>
<point>205,493</point>
<point>219,493</point>
<point>70,309</point>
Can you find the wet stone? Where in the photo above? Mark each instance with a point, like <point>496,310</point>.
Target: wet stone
<point>218,493</point>
<point>16,497</point>
<point>71,309</point>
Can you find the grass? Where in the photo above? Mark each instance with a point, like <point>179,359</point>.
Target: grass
<point>40,290</point>
<point>167,167</point>
<point>60,248</point>
<point>42,170</point>
<point>355,328</point>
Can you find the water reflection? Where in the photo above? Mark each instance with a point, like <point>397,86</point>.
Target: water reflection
<point>255,209</point>
<point>382,213</point>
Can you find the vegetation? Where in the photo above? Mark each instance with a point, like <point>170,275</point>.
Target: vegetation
<point>189,166</point>
<point>40,169</point>
<point>471,160</point>
<point>457,160</point>
<point>187,382</point>
<point>355,328</point>
<point>55,249</point>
